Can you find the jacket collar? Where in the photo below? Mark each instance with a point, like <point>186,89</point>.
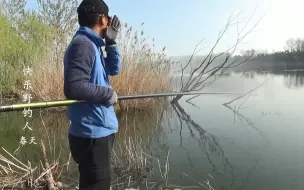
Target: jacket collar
<point>97,40</point>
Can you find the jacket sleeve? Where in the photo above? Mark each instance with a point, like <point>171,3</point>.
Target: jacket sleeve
<point>77,86</point>
<point>113,60</point>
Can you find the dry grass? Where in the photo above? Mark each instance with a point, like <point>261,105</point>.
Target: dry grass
<point>47,82</point>
<point>131,164</point>
<point>12,171</point>
<point>131,161</point>
<point>29,174</point>
<point>143,71</point>
<point>16,174</point>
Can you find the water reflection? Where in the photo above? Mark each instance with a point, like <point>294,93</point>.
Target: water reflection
<point>291,79</point>
<point>249,175</point>
<point>210,144</point>
<point>207,142</point>
<point>294,79</point>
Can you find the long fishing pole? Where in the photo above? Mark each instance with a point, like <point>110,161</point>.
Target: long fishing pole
<point>48,104</point>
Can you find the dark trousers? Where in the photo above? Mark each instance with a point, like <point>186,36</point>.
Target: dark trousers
<point>93,157</point>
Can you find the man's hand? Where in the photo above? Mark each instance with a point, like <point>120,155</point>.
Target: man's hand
<point>114,99</point>
<point>112,31</point>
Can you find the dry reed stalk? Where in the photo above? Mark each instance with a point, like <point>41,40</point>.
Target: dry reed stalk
<point>13,171</point>
<point>17,173</point>
<point>9,176</point>
<point>206,183</point>
<point>129,163</point>
<point>47,82</point>
<point>48,173</point>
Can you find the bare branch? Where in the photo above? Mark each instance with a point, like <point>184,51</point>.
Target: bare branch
<point>14,8</point>
<point>216,65</point>
<point>245,120</point>
<point>183,69</point>
<point>248,93</point>
<point>188,101</point>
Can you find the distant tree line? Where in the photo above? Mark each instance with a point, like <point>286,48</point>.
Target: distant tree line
<point>292,58</point>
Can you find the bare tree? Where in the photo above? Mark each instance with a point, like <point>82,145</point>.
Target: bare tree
<point>60,15</point>
<point>294,45</point>
<point>14,8</point>
<point>213,65</point>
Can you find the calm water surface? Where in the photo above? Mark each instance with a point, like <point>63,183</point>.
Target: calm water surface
<point>253,144</point>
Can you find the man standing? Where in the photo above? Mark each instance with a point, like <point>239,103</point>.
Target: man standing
<point>86,71</point>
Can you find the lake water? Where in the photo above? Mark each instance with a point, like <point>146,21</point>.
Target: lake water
<point>254,143</point>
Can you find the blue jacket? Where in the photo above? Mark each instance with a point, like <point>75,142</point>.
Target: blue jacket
<point>86,74</point>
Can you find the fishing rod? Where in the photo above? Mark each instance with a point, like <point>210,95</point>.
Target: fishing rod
<point>58,103</point>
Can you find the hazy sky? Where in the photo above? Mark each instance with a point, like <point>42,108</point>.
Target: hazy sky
<point>179,25</point>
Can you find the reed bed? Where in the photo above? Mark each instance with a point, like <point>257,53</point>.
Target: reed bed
<point>143,71</point>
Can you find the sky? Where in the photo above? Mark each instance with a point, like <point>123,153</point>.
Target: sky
<point>180,25</point>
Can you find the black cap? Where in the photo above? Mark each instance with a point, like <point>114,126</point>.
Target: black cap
<point>93,7</point>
